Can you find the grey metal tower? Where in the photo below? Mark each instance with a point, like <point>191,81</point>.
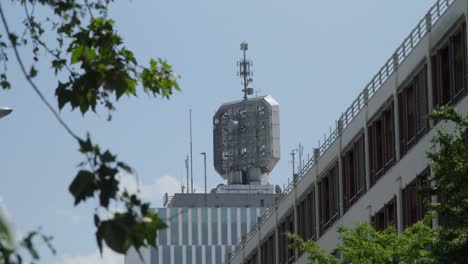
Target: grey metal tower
<point>246,137</point>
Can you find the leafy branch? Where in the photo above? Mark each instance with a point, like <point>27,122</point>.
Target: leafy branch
<point>92,67</point>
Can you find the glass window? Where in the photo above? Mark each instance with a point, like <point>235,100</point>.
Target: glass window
<point>243,221</point>
<point>185,226</point>
<point>204,218</point>
<point>162,233</point>
<point>233,225</point>
<point>224,226</point>
<point>154,255</point>
<point>219,256</point>
<point>166,256</point>
<point>194,225</point>
<point>214,226</point>
<point>174,226</point>
<point>253,217</point>
<point>208,254</point>
<point>189,254</point>
<point>198,253</point>
<point>178,254</point>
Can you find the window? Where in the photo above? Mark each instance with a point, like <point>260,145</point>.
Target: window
<point>413,201</point>
<point>354,172</point>
<point>311,223</point>
<point>267,250</point>
<point>224,225</point>
<point>449,69</point>
<point>328,198</point>
<point>412,108</point>
<point>253,259</point>
<point>381,143</point>
<point>306,217</point>
<point>286,254</point>
<point>386,216</point>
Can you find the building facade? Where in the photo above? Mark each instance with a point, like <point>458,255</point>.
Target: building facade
<point>370,167</point>
<point>197,235</point>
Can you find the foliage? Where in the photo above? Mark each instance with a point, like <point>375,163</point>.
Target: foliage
<point>10,251</point>
<point>93,68</point>
<point>450,184</point>
<point>364,244</point>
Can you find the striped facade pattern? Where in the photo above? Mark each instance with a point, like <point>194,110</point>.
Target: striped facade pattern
<point>201,235</point>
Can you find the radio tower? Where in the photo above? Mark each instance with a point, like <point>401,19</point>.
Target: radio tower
<point>244,73</point>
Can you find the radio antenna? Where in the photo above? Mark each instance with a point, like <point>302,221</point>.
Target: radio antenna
<point>244,73</point>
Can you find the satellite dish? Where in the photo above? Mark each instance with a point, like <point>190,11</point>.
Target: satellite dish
<point>4,111</point>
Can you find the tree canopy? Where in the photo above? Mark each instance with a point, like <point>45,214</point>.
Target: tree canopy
<point>450,184</point>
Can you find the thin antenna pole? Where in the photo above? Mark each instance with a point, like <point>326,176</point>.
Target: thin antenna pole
<point>191,156</point>
<point>244,70</point>
<point>182,184</point>
<point>245,75</point>
<point>292,154</point>
<point>204,160</point>
<point>187,169</point>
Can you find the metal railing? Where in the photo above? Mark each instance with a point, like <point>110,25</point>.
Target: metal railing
<point>400,54</point>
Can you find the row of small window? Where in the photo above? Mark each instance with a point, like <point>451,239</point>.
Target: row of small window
<point>219,222</point>
<point>268,246</point>
<point>413,201</point>
<point>414,206</point>
<point>449,86</point>
<point>191,254</point>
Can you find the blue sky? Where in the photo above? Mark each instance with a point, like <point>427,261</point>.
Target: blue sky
<point>313,57</point>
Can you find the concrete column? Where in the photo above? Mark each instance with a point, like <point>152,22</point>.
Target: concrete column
<point>296,251</point>
<point>340,167</point>
<point>366,138</point>
<point>399,206</point>
<point>396,110</point>
<point>276,234</point>
<point>317,204</point>
<point>259,237</point>
<point>430,85</point>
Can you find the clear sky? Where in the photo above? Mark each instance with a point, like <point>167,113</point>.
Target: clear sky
<point>313,57</point>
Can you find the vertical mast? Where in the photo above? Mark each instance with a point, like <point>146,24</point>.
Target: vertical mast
<point>244,72</point>
<point>187,169</point>
<point>191,156</point>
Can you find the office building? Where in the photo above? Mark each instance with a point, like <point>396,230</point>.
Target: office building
<point>370,166</point>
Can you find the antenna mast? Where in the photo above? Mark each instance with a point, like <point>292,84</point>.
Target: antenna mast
<point>244,73</point>
<point>191,156</point>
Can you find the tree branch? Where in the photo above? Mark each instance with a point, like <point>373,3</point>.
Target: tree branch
<point>30,81</point>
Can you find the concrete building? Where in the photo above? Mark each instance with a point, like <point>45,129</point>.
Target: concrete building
<point>369,167</point>
<point>205,227</point>
<point>202,234</point>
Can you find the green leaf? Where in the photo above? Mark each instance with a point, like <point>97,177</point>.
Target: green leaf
<point>76,54</point>
<point>107,157</point>
<point>115,233</point>
<point>32,72</point>
<point>83,186</point>
<point>63,94</point>
<point>108,188</point>
<point>124,167</point>
<point>5,233</point>
<point>86,145</point>
<point>13,39</point>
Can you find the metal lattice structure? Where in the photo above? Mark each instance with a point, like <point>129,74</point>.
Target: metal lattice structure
<point>246,139</point>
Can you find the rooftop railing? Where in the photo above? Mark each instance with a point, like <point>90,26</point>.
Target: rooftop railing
<point>400,54</point>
